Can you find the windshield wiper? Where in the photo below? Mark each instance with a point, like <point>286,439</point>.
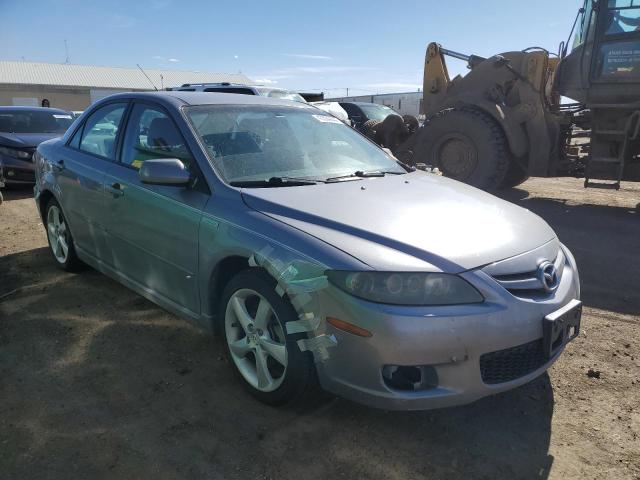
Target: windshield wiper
<point>273,182</point>
<point>361,174</point>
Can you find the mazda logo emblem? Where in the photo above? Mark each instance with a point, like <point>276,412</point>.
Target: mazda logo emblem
<point>548,276</point>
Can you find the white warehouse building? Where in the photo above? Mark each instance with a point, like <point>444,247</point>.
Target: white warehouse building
<point>75,87</point>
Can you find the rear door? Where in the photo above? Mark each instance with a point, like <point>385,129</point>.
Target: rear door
<point>80,172</point>
<point>152,230</point>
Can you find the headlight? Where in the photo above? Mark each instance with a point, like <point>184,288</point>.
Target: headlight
<point>12,152</point>
<point>406,288</point>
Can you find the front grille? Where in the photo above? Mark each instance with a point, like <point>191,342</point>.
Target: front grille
<point>528,282</point>
<point>17,175</point>
<point>512,363</point>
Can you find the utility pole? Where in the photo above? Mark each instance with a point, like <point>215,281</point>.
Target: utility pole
<point>66,51</point>
<point>347,91</point>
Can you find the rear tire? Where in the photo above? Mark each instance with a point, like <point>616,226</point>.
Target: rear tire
<point>59,236</point>
<point>411,123</point>
<point>267,360</point>
<point>369,128</point>
<point>467,145</point>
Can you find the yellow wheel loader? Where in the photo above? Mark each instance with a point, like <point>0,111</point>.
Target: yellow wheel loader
<point>504,120</point>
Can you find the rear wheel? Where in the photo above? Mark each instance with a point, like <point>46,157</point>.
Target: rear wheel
<point>369,128</point>
<point>411,122</point>
<point>266,358</point>
<point>467,145</point>
<point>60,239</point>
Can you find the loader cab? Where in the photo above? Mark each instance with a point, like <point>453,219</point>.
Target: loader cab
<point>605,54</point>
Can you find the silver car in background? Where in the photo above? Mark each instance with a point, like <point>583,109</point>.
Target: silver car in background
<point>320,259</point>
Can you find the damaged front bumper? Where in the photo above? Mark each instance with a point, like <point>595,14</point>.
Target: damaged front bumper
<point>430,357</point>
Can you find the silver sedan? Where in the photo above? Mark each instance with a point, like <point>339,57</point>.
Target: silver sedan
<point>321,260</point>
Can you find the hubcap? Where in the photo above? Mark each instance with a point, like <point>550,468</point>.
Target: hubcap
<point>256,340</point>
<point>458,157</point>
<point>57,233</point>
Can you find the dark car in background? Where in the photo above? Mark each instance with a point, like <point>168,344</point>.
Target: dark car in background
<point>22,129</point>
<point>362,112</point>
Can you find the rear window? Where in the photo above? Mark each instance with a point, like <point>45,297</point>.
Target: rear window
<point>242,91</point>
<point>33,121</point>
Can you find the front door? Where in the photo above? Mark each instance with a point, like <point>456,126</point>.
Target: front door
<point>152,230</point>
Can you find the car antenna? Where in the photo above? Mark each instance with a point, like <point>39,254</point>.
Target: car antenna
<point>144,73</point>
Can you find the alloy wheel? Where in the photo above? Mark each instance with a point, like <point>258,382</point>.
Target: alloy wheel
<point>58,234</point>
<point>256,340</point>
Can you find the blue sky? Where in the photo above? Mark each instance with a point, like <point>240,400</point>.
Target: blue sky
<point>369,46</point>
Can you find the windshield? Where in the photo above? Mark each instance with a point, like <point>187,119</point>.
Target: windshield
<point>274,93</point>
<point>32,121</point>
<point>256,142</point>
<point>373,111</point>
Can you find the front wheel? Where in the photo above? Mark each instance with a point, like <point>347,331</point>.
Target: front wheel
<point>467,145</point>
<point>266,358</point>
<point>516,175</point>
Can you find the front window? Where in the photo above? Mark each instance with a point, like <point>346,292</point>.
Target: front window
<point>283,94</point>
<point>151,134</point>
<point>256,142</point>
<point>373,111</point>
<point>33,121</point>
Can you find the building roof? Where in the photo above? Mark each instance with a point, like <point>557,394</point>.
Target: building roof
<point>68,75</point>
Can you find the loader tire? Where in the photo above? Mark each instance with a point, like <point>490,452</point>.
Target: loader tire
<point>514,177</point>
<point>411,123</point>
<point>369,128</point>
<point>466,145</point>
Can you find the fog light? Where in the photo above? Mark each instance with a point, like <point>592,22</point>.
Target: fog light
<point>410,378</point>
<point>10,173</point>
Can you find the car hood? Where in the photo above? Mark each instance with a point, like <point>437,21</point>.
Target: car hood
<point>413,221</point>
<point>25,140</point>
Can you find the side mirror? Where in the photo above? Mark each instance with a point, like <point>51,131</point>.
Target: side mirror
<point>164,171</point>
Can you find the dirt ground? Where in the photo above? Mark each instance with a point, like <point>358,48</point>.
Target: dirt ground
<point>97,382</point>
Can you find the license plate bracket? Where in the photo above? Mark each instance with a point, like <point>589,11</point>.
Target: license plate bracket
<point>560,327</point>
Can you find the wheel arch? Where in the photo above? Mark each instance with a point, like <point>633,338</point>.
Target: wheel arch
<point>223,271</point>
<point>43,199</point>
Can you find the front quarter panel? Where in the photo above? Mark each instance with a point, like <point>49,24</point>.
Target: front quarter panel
<point>231,229</point>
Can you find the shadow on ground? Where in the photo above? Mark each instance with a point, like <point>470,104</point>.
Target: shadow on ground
<point>97,382</point>
<point>15,192</point>
<point>605,242</point>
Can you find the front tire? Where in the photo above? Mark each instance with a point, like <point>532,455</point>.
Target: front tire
<point>514,177</point>
<point>59,236</point>
<point>266,359</point>
<point>467,145</point>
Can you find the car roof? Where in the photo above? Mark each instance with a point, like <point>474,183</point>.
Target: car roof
<point>365,103</point>
<point>6,108</point>
<point>179,98</point>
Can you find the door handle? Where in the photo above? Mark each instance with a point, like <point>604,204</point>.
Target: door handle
<point>116,190</point>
